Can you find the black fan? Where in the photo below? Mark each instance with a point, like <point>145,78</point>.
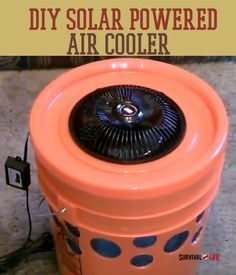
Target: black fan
<point>127,124</point>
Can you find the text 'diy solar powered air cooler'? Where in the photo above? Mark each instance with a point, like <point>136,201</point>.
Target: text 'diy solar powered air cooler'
<point>130,154</point>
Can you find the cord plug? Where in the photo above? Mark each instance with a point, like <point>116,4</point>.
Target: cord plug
<point>17,172</point>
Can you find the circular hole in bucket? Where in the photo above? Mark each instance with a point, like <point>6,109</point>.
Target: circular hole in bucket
<point>199,217</point>
<point>143,242</point>
<point>73,229</point>
<point>176,241</point>
<point>105,248</point>
<point>197,235</point>
<point>142,260</point>
<point>74,246</point>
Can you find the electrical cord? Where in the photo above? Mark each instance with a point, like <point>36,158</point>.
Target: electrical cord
<point>28,240</point>
<point>43,243</point>
<point>25,157</point>
<point>26,148</point>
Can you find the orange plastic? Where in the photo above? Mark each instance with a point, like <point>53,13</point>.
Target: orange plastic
<point>119,203</point>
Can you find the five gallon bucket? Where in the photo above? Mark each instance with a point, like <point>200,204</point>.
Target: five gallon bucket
<point>129,155</point>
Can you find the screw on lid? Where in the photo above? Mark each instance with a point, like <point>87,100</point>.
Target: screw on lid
<point>127,124</point>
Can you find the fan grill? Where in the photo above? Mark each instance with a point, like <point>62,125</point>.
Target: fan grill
<point>127,124</point>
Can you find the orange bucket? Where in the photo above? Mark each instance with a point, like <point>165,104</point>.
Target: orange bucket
<point>129,155</point>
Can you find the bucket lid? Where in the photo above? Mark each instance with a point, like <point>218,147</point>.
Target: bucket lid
<point>203,140</point>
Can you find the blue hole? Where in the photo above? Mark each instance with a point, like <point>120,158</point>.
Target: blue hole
<point>200,216</point>
<point>73,229</point>
<point>144,241</point>
<point>176,241</point>
<point>196,235</point>
<point>141,260</point>
<point>105,248</point>
<point>74,246</point>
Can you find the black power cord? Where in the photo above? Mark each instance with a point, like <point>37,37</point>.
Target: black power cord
<point>25,158</point>
<point>26,148</point>
<point>28,240</point>
<point>45,241</point>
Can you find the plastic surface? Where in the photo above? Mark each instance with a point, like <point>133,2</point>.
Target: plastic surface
<point>120,203</point>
